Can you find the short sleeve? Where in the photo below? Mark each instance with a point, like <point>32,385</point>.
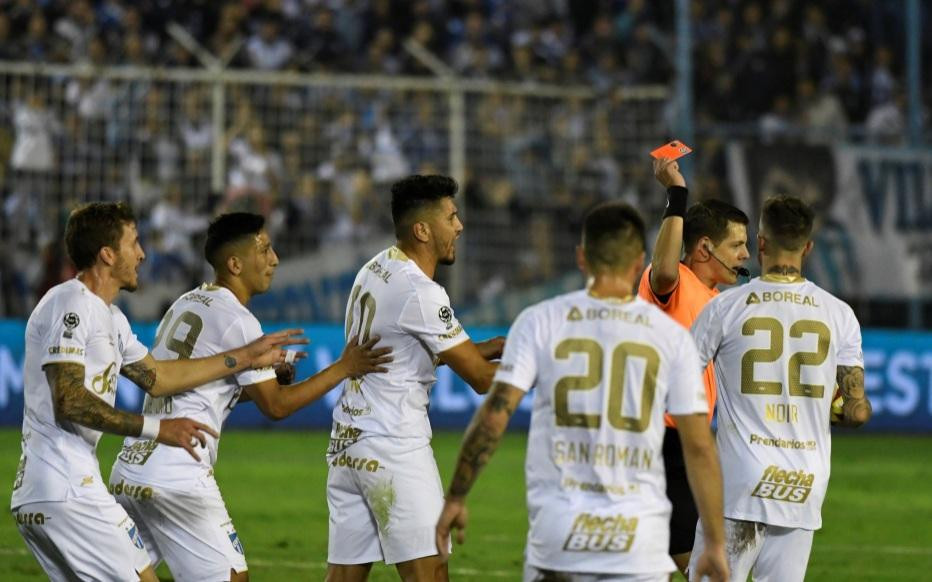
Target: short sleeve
<point>687,394</point>
<point>133,349</point>
<point>69,326</point>
<point>850,352</point>
<point>708,333</point>
<point>518,366</point>
<point>242,332</point>
<point>428,316</point>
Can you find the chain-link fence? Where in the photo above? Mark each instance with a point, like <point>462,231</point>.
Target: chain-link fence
<point>316,155</point>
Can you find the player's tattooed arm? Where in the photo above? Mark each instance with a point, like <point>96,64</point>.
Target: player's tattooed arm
<point>143,373</point>
<point>483,436</point>
<point>73,403</point>
<point>857,408</point>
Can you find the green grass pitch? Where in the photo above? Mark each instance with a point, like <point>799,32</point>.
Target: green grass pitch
<point>877,518</point>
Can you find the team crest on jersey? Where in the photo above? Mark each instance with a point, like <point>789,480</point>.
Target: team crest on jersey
<point>753,299</point>
<point>782,485</point>
<point>445,314</point>
<point>596,533</point>
<point>71,321</point>
<point>575,314</point>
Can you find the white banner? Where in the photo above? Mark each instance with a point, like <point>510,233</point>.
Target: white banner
<point>874,209</point>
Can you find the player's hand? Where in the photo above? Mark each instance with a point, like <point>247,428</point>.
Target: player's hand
<point>184,433</point>
<point>454,516</point>
<point>363,358</point>
<point>285,373</point>
<point>491,349</point>
<point>270,348</point>
<point>711,565</point>
<point>667,172</point>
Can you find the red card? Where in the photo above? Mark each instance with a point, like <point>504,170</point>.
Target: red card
<point>672,151</point>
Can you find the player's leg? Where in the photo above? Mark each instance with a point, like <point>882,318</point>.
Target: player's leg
<point>148,575</point>
<point>773,566</point>
<point>353,539</point>
<point>428,569</point>
<point>348,572</point>
<point>192,531</point>
<point>743,543</point>
<point>684,514</point>
<point>84,538</point>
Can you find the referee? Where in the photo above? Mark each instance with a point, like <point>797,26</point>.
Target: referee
<point>714,236</point>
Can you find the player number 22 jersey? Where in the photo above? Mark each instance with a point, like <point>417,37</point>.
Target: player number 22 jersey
<point>776,346</point>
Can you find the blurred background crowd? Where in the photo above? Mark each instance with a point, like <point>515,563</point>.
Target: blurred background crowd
<point>317,159</point>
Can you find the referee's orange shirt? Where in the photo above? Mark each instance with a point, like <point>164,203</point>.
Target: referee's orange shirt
<point>684,304</point>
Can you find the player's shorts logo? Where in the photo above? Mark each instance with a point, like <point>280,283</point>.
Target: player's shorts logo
<point>445,314</point>
<point>133,532</point>
<point>71,321</point>
<point>237,545</point>
<point>782,485</point>
<point>594,533</point>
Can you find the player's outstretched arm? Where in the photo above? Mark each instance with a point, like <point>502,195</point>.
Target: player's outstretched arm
<point>471,365</point>
<point>481,440</point>
<point>705,480</point>
<point>73,403</point>
<point>167,377</point>
<point>665,261</point>
<point>856,409</point>
<point>277,402</point>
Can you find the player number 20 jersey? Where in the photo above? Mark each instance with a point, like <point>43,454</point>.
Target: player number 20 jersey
<point>776,346</point>
<point>605,371</point>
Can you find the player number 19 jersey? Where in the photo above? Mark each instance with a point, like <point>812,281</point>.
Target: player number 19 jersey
<point>776,346</point>
<point>605,371</point>
<point>203,322</point>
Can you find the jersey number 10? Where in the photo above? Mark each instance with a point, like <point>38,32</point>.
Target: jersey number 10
<point>616,384</point>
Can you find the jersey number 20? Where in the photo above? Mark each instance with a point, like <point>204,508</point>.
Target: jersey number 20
<point>616,384</point>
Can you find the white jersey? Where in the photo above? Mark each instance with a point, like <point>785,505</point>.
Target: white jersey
<point>70,324</point>
<point>605,371</point>
<point>393,299</point>
<point>203,322</point>
<point>776,347</point>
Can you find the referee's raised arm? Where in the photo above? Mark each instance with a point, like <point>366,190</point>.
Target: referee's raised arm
<point>665,261</point>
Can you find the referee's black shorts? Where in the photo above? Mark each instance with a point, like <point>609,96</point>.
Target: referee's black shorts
<point>684,517</point>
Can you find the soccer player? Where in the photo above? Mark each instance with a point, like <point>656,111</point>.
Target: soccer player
<point>606,364</point>
<point>714,234</point>
<point>383,487</point>
<point>77,341</point>
<point>780,344</point>
<point>174,498</point>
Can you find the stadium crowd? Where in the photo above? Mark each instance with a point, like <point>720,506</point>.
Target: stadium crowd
<point>312,160</point>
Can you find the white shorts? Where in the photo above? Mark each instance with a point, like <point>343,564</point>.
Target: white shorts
<point>84,538</point>
<point>191,530</point>
<point>535,574</point>
<point>383,506</point>
<point>772,553</point>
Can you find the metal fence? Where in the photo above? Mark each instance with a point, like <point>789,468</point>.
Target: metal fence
<point>315,154</point>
